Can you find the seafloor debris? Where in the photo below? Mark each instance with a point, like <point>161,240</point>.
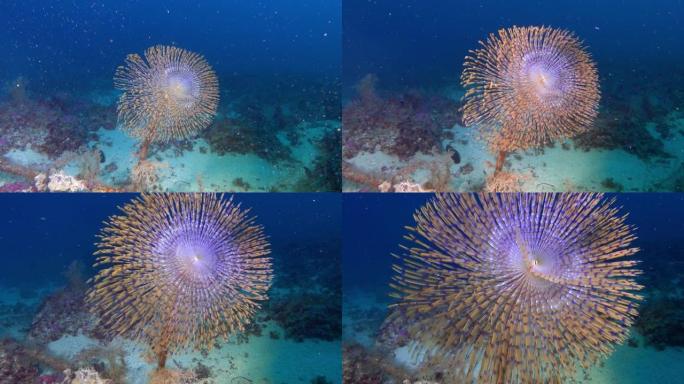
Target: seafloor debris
<point>21,363</point>
<point>365,366</point>
<point>84,376</point>
<point>401,178</point>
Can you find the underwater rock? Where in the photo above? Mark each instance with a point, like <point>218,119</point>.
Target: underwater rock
<point>409,186</point>
<point>108,359</point>
<point>621,132</point>
<point>52,125</point>
<point>320,380</point>
<point>17,186</point>
<point>245,137</point>
<point>15,366</point>
<point>61,313</point>
<point>391,178</point>
<point>84,376</point>
<point>466,169</point>
<point>661,322</point>
<point>357,367</point>
<point>611,185</point>
<point>62,137</point>
<point>402,125</point>
<point>365,366</point>
<point>171,376</point>
<point>61,182</point>
<point>111,167</point>
<point>240,183</point>
<point>202,371</point>
<point>326,173</point>
<point>307,316</point>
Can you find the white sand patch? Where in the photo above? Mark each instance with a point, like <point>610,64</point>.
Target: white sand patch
<point>69,346</point>
<point>26,157</point>
<point>118,148</point>
<point>194,170</point>
<point>627,365</point>
<point>261,360</point>
<point>557,169</point>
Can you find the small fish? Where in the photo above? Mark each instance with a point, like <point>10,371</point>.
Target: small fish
<point>455,156</point>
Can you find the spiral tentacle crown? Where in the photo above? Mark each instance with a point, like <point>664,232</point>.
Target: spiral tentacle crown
<point>517,288</point>
<point>528,86</point>
<point>180,270</point>
<point>171,94</point>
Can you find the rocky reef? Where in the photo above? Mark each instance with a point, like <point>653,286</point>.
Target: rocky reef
<point>15,365</point>
<point>661,322</point>
<point>325,173</point>
<point>661,316</point>
<point>307,316</point>
<point>52,125</point>
<point>638,100</point>
<point>310,310</point>
<point>63,312</point>
<point>409,126</point>
<point>402,125</point>
<point>252,134</point>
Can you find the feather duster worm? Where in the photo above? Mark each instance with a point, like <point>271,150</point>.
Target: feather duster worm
<point>170,94</point>
<point>181,270</point>
<point>529,86</point>
<point>517,288</point>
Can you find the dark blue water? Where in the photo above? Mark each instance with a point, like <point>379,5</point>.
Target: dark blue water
<point>64,43</point>
<point>41,234</point>
<point>374,226</point>
<point>414,43</point>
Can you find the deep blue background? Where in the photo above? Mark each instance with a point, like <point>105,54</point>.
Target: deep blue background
<point>411,43</point>
<point>40,234</point>
<point>374,227</point>
<point>64,43</point>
